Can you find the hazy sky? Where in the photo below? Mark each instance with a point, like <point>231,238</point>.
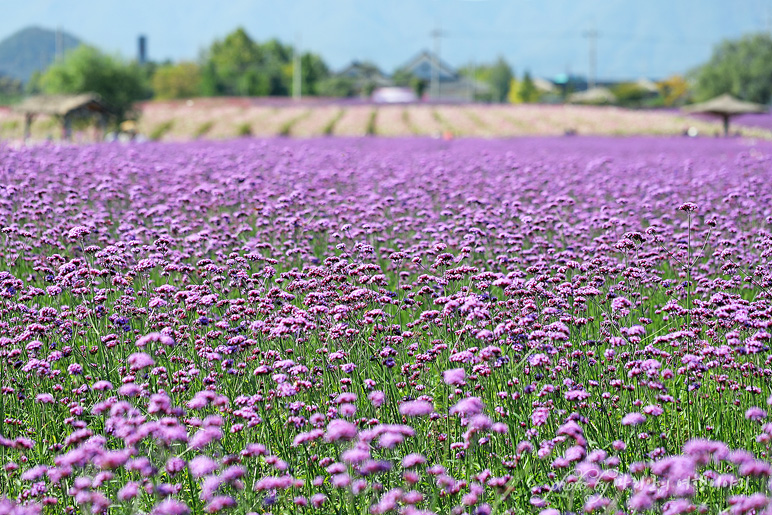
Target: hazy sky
<point>651,38</point>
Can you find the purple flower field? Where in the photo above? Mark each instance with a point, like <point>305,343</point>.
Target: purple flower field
<point>368,326</point>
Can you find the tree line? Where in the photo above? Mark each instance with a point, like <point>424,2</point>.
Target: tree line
<point>238,65</point>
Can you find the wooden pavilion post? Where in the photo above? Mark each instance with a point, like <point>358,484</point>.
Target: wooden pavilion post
<point>28,125</point>
<point>66,127</point>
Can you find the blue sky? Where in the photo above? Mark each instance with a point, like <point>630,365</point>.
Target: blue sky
<point>653,38</point>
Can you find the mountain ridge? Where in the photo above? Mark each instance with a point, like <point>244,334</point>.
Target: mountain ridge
<point>32,49</point>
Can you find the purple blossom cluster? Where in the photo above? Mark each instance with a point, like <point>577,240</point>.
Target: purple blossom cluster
<point>407,326</point>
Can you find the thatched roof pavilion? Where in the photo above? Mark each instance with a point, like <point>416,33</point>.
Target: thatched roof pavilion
<point>725,106</point>
<point>599,95</point>
<point>65,107</point>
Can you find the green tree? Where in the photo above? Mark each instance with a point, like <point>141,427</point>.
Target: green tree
<point>181,80</point>
<point>402,77</point>
<point>368,88</point>
<point>514,92</point>
<point>231,66</point>
<point>499,79</point>
<point>630,94</point>
<point>418,86</point>
<point>275,69</point>
<point>240,66</point>
<point>87,70</point>
<point>675,91</point>
<point>336,86</point>
<point>527,89</point>
<point>406,79</point>
<point>741,67</point>
<point>313,70</point>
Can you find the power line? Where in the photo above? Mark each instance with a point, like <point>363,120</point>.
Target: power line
<point>576,35</point>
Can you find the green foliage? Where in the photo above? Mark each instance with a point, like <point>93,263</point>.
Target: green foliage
<point>674,91</point>
<point>33,86</point>
<point>527,90</point>
<point>203,129</point>
<point>87,70</point>
<point>161,129</point>
<point>524,91</point>
<point>402,77</point>
<point>231,62</point>
<point>181,80</point>
<point>329,128</point>
<point>368,88</point>
<point>498,76</point>
<point>244,130</point>
<point>409,123</point>
<point>312,71</point>
<point>513,97</point>
<point>741,67</point>
<point>240,66</point>
<point>339,87</point>
<point>286,128</point>
<point>630,94</point>
<point>371,123</point>
<point>499,79</point>
<point>405,79</point>
<point>10,90</point>
<point>418,86</point>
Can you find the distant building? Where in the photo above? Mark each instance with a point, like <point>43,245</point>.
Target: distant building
<point>647,85</point>
<point>66,109</point>
<point>453,87</point>
<point>423,65</point>
<point>569,83</point>
<point>596,96</point>
<point>366,77</point>
<point>545,87</point>
<point>394,95</point>
<point>142,50</point>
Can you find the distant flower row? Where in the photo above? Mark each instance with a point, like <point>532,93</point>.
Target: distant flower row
<point>220,119</point>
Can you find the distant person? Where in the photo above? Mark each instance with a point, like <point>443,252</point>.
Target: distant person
<point>128,130</point>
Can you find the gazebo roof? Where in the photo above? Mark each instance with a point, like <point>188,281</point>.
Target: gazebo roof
<point>647,85</point>
<point>424,63</point>
<point>61,105</point>
<point>725,105</point>
<point>544,85</point>
<point>597,95</point>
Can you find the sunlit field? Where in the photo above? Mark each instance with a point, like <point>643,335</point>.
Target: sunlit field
<point>228,118</point>
<point>386,325</point>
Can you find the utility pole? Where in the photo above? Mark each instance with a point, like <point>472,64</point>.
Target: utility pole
<point>296,78</point>
<point>592,37</point>
<point>436,34</point>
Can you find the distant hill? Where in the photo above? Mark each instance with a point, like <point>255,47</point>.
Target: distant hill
<point>30,50</point>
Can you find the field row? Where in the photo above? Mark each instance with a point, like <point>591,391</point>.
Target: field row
<point>223,119</point>
<point>181,122</point>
